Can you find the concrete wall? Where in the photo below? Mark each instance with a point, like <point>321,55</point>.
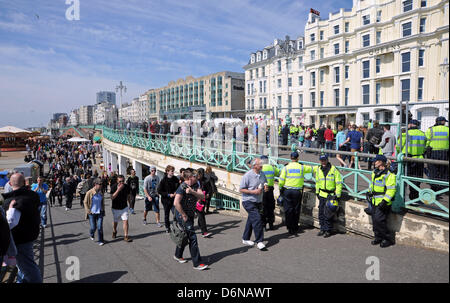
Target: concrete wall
<point>410,229</point>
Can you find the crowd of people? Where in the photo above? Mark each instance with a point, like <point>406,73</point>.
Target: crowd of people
<point>72,173</point>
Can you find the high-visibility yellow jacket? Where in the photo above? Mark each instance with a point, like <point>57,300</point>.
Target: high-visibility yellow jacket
<point>331,184</point>
<point>383,187</point>
<point>416,143</point>
<point>271,172</point>
<point>293,175</point>
<point>437,137</point>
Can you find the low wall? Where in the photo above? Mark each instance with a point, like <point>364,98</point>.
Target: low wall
<point>409,229</point>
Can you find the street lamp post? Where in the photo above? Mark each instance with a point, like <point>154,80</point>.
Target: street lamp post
<point>122,88</point>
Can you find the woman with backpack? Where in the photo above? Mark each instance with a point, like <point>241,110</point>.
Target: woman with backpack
<point>210,179</point>
<point>205,186</point>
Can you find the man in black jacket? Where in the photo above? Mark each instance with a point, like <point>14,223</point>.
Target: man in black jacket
<point>373,138</point>
<point>24,220</point>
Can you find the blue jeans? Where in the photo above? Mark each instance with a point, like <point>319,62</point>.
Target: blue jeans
<point>43,211</point>
<point>329,145</point>
<point>96,223</point>
<point>192,240</point>
<point>28,272</point>
<point>254,222</point>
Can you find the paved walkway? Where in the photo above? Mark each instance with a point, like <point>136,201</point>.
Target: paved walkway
<point>306,258</point>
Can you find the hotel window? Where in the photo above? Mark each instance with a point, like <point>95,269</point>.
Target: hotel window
<point>377,65</point>
<point>347,26</point>
<point>406,62</point>
<point>279,83</point>
<point>265,102</point>
<point>422,25</point>
<point>300,80</point>
<point>346,71</point>
<point>264,90</point>
<point>366,40</point>
<point>264,71</point>
<point>313,79</point>
<point>336,97</point>
<point>300,61</point>
<point>377,93</point>
<point>336,75</point>
<point>405,89</point>
<point>366,69</point>
<point>300,102</point>
<point>248,89</point>
<point>321,53</point>
<point>336,49</point>
<point>347,43</point>
<point>322,93</point>
<point>257,72</point>
<point>313,99</point>
<point>289,64</point>
<point>279,65</point>
<point>378,37</point>
<point>378,16</point>
<point>336,29</point>
<point>279,101</point>
<point>407,5</point>
<point>366,94</point>
<point>290,103</point>
<point>420,89</point>
<point>406,29</point>
<point>321,35</point>
<point>366,19</point>
<point>253,103</point>
<point>289,82</point>
<point>313,55</point>
<point>423,3</point>
<point>312,37</point>
<point>321,75</point>
<point>260,87</point>
<point>260,103</point>
<point>421,57</point>
<point>346,96</point>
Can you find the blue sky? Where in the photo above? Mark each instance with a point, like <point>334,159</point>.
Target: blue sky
<point>50,64</point>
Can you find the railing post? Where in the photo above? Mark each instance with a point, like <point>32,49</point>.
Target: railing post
<point>192,158</point>
<point>398,204</point>
<point>356,174</point>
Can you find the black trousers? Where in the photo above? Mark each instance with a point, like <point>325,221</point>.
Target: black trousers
<point>168,207</point>
<point>292,204</point>
<point>132,199</point>
<point>202,220</point>
<point>69,199</point>
<point>379,221</point>
<point>438,172</point>
<point>414,169</point>
<point>82,199</point>
<point>268,215</point>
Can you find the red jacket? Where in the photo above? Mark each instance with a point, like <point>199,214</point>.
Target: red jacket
<point>329,136</point>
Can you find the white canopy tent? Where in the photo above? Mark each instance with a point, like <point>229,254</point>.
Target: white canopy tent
<point>13,130</point>
<point>78,139</point>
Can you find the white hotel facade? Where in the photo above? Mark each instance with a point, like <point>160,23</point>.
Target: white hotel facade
<point>359,64</point>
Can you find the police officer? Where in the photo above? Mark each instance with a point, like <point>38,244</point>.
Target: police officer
<point>328,184</point>
<point>437,148</point>
<point>271,172</point>
<point>416,149</point>
<point>382,191</point>
<point>291,188</point>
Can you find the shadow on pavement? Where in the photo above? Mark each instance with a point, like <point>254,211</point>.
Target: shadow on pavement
<point>222,226</point>
<point>211,259</point>
<point>108,277</point>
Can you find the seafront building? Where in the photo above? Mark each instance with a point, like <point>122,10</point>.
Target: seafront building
<point>216,95</point>
<point>358,64</point>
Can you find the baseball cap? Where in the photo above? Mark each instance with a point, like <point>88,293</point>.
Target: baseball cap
<point>294,155</point>
<point>441,118</point>
<point>380,158</point>
<point>415,122</point>
<point>323,157</point>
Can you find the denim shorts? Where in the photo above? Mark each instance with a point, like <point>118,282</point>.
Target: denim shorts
<point>154,204</point>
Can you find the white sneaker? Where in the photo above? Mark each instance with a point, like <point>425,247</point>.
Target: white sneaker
<point>261,246</point>
<point>92,238</point>
<point>144,222</point>
<point>248,242</point>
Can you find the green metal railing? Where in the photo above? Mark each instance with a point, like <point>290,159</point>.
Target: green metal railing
<point>225,155</point>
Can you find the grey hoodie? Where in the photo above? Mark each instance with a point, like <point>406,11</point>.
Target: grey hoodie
<point>387,143</point>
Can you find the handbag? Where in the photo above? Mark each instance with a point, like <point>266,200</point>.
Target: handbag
<point>178,234</point>
<point>199,206</point>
